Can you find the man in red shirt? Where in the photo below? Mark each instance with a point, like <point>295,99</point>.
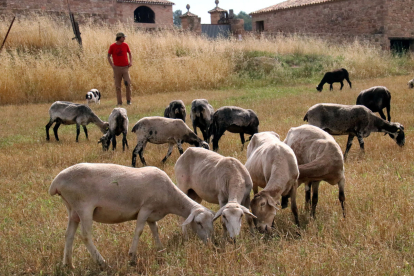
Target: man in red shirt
<point>119,51</point>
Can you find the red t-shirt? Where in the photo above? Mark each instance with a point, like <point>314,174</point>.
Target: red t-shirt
<point>119,54</point>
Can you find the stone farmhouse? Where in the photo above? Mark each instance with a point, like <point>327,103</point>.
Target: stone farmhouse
<point>385,23</point>
<point>144,13</point>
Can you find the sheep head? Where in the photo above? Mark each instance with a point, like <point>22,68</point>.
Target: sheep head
<point>105,140</point>
<point>201,221</point>
<point>319,88</point>
<point>398,135</point>
<point>204,145</point>
<point>264,207</point>
<point>231,216</point>
<point>411,84</point>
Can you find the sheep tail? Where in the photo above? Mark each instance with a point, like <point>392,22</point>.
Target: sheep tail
<point>213,128</point>
<point>135,128</point>
<point>314,170</point>
<point>53,189</point>
<point>306,117</point>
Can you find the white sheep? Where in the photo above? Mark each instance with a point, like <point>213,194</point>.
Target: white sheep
<point>320,159</point>
<point>71,113</point>
<point>273,166</point>
<point>109,193</point>
<point>160,130</point>
<point>93,96</point>
<point>205,175</point>
<point>411,84</point>
<point>118,123</point>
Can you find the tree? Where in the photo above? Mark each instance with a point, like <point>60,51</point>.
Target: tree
<point>247,20</point>
<point>177,19</point>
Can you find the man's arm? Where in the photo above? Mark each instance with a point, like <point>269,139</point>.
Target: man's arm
<point>130,59</point>
<point>110,60</point>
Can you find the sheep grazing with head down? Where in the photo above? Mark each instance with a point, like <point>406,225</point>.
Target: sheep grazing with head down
<point>411,84</point>
<point>376,99</point>
<point>233,119</point>
<point>352,120</point>
<point>175,110</point>
<point>118,123</point>
<point>160,130</point>
<point>202,116</point>
<point>109,193</point>
<point>71,113</point>
<point>335,76</point>
<point>320,159</point>
<point>93,96</point>
<point>205,175</point>
<point>272,165</point>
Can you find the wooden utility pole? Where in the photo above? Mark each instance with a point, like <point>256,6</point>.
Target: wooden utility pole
<point>4,41</point>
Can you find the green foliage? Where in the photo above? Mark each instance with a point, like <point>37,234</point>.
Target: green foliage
<point>177,19</point>
<point>247,20</point>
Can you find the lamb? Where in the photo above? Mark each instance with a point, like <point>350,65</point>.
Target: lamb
<point>201,116</point>
<point>71,113</point>
<point>93,96</point>
<point>376,99</point>
<point>273,166</point>
<point>233,119</point>
<point>159,130</point>
<point>411,84</point>
<point>320,159</point>
<point>205,175</point>
<point>334,76</point>
<point>352,120</point>
<point>118,123</point>
<point>109,193</point>
<point>175,110</point>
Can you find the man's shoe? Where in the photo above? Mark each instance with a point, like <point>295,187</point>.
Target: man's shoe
<point>128,102</point>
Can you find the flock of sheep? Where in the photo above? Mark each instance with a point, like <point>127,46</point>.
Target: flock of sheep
<point>110,193</point>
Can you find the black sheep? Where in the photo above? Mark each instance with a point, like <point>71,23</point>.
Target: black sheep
<point>233,119</point>
<point>334,76</point>
<point>376,99</point>
<point>175,110</point>
<point>201,116</point>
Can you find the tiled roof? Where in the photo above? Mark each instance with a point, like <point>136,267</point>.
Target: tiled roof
<point>217,9</point>
<point>189,14</point>
<point>291,4</point>
<point>151,2</point>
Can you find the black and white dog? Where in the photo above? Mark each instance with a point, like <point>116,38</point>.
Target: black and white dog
<point>93,96</point>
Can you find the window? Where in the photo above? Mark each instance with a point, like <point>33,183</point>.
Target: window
<point>259,26</point>
<point>144,14</point>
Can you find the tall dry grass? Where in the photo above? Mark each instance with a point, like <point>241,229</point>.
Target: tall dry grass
<point>41,62</point>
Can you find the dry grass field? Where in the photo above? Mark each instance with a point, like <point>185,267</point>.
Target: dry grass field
<point>376,238</point>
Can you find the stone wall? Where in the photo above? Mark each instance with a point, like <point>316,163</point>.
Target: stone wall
<point>400,19</point>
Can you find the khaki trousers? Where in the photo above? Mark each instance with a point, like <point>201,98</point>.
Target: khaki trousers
<point>119,74</point>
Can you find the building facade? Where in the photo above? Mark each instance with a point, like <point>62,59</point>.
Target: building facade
<point>143,13</point>
<point>385,23</point>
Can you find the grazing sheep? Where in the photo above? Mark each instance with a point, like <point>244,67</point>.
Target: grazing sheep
<point>159,130</point>
<point>334,76</point>
<point>411,84</point>
<point>352,120</point>
<point>320,159</point>
<point>233,119</point>
<point>201,116</point>
<point>71,113</point>
<point>376,99</point>
<point>206,175</point>
<point>109,193</point>
<point>93,96</point>
<point>118,123</point>
<point>272,165</point>
<point>175,110</point>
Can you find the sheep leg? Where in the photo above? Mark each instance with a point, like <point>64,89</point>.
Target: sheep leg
<point>382,115</point>
<point>47,129</point>
<point>293,205</point>
<point>255,188</point>
<point>141,219</point>
<point>86,132</point>
<point>331,87</point>
<point>113,142</point>
<point>341,186</point>
<point>124,141</point>
<point>349,82</point>
<point>154,229</point>
<point>249,219</point>
<point>308,189</point>
<point>242,140</point>
<point>180,147</point>
<point>315,188</point>
<point>342,85</point>
<point>55,129</point>
<point>195,128</point>
<point>69,237</point>
<point>77,132</point>
<point>348,145</point>
<point>139,149</point>
<point>388,112</point>
<point>170,149</point>
<point>361,143</point>
<point>216,138</point>
<point>86,218</point>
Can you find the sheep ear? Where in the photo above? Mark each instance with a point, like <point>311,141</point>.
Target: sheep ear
<point>218,214</point>
<point>189,219</point>
<point>273,203</point>
<point>247,211</point>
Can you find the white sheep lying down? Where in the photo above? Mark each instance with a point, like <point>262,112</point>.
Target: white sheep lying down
<point>109,193</point>
<point>273,166</point>
<point>207,175</point>
<point>319,159</point>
